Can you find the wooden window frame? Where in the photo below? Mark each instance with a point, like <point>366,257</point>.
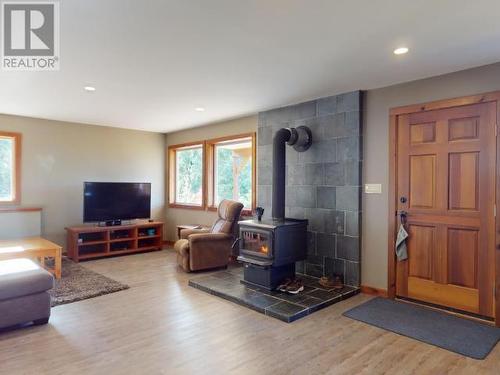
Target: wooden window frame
<point>17,137</point>
<point>210,168</point>
<point>172,158</point>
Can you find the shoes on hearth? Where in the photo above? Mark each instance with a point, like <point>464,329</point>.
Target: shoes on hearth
<point>282,287</point>
<point>332,283</point>
<point>295,287</point>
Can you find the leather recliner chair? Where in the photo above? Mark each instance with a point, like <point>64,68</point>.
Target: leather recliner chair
<point>200,249</point>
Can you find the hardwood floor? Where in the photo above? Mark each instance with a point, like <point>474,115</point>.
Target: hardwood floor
<point>162,326</point>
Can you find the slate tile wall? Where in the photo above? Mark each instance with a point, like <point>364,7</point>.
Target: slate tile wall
<point>323,183</point>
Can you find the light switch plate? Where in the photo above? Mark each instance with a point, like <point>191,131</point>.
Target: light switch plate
<point>373,188</point>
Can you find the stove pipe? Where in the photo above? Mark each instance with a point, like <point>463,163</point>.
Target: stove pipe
<point>300,138</point>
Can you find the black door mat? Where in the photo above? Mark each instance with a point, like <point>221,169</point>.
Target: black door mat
<point>459,335</point>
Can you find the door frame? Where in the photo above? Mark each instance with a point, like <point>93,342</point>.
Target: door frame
<point>393,158</point>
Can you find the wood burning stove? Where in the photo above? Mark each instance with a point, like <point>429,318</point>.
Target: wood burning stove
<point>270,248</point>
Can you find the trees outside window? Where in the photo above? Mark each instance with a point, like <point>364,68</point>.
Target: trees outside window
<point>10,165</point>
<point>233,171</point>
<point>187,175</point>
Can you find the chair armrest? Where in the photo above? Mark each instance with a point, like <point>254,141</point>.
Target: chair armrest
<point>211,237</point>
<point>185,233</point>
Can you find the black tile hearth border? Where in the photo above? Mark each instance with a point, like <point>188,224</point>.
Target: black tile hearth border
<point>282,306</point>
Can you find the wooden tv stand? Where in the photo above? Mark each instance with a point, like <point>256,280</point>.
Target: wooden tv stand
<point>90,242</point>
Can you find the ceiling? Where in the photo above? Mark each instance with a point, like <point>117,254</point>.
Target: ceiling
<point>153,62</point>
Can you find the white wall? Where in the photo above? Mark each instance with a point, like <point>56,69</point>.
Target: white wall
<point>57,157</point>
<point>20,224</point>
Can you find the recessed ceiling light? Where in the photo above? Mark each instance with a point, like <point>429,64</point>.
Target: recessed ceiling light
<point>400,51</point>
<point>89,88</point>
<point>199,109</point>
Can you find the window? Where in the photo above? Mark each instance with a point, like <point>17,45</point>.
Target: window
<point>186,185</point>
<point>232,170</point>
<point>202,174</point>
<point>10,168</point>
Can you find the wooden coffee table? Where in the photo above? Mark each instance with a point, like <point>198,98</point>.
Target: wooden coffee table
<point>34,248</point>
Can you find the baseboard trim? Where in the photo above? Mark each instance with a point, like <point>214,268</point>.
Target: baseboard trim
<point>374,291</point>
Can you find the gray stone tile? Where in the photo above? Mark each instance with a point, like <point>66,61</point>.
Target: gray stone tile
<point>348,248</point>
<point>325,197</point>
<point>314,259</point>
<point>348,148</point>
<point>352,123</point>
<point>353,172</point>
<point>290,113</point>
<point>334,266</point>
<point>265,175</point>
<point>300,267</point>
<point>311,242</point>
<point>292,156</point>
<point>325,245</point>
<point>334,174</point>
<point>321,151</point>
<point>352,223</point>
<point>295,212</point>
<point>348,198</point>
<point>334,221</point>
<point>264,195</point>
<point>325,295</point>
<point>296,175</point>
<point>352,274</point>
<point>314,174</point>
<point>265,136</point>
<point>302,196</point>
<point>265,155</point>
<point>286,311</point>
<point>261,120</point>
<point>314,270</point>
<point>316,219</point>
<point>349,102</point>
<point>327,105</point>
<point>337,127</point>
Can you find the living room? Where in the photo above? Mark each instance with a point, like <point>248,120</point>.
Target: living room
<point>281,187</point>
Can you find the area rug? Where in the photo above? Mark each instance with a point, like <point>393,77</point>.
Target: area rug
<point>459,335</point>
<point>78,283</point>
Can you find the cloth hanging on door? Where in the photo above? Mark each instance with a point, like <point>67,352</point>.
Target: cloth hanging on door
<point>401,250</point>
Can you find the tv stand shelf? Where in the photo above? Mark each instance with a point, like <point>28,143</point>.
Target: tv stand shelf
<point>91,242</point>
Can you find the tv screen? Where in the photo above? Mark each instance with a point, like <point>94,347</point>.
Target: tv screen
<point>105,201</point>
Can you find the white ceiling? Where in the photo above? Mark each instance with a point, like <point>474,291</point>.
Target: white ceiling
<point>153,62</point>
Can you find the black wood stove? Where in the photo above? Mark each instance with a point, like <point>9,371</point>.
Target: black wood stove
<point>270,248</point>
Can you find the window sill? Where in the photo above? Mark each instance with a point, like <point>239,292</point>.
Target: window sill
<point>7,207</point>
<point>186,206</point>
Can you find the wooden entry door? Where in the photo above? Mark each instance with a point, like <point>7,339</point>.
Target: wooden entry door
<point>446,160</point>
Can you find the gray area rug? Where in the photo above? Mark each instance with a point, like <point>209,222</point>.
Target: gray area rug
<point>78,283</point>
<point>459,335</point>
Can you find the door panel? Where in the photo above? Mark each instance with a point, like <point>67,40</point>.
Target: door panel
<point>422,181</point>
<point>422,133</point>
<point>446,169</point>
<point>464,181</point>
<point>463,128</point>
<point>420,244</point>
<point>462,257</point>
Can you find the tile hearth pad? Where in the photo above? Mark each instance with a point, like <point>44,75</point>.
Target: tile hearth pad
<point>286,307</point>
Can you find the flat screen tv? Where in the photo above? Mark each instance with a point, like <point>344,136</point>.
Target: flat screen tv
<point>106,201</point>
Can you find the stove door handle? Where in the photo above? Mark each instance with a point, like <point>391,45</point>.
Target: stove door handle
<point>235,243</point>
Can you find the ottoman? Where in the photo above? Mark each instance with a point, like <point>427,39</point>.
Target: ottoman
<point>23,293</point>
